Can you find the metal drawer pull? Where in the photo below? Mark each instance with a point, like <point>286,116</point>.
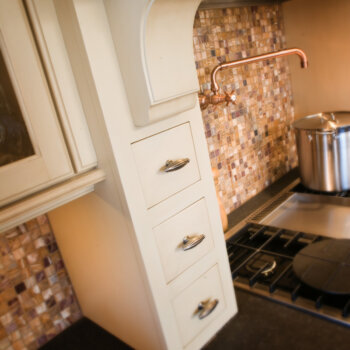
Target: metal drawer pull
<point>172,165</point>
<point>190,242</point>
<point>205,308</point>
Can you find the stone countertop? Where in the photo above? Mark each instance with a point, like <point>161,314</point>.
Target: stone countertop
<point>262,324</point>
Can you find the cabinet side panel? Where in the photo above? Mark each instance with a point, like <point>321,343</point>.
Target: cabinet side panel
<point>97,249</point>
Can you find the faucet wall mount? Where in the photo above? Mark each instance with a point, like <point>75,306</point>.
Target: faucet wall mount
<point>207,98</point>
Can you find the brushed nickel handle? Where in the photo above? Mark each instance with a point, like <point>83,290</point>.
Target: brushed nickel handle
<point>190,242</point>
<point>206,307</point>
<point>172,165</point>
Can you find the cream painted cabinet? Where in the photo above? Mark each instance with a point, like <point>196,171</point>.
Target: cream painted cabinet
<point>37,103</point>
<point>32,148</point>
<point>188,243</point>
<point>166,163</point>
<point>152,266</point>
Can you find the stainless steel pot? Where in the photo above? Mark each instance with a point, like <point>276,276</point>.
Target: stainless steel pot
<point>323,143</point>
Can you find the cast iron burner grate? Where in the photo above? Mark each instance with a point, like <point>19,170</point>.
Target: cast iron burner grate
<point>261,261</point>
<point>300,188</point>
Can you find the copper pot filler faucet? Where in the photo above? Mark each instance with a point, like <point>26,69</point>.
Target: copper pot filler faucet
<point>206,99</point>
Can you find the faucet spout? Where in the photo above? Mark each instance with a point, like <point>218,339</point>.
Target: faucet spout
<point>206,98</point>
<point>263,57</point>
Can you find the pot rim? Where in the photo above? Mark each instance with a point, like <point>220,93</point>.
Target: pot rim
<point>329,119</point>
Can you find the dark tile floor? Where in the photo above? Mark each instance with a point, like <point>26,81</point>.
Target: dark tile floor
<point>260,325</point>
<point>265,325</point>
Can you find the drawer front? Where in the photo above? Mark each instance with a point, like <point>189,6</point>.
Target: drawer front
<point>151,155</point>
<point>207,288</point>
<point>183,239</point>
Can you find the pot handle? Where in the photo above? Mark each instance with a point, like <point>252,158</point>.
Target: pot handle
<point>330,117</point>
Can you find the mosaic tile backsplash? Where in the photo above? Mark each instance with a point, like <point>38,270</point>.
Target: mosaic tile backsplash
<point>250,143</point>
<point>36,297</point>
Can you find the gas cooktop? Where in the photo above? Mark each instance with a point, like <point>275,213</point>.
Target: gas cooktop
<point>261,259</point>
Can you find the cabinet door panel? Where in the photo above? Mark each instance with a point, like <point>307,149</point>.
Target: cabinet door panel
<point>206,289</point>
<point>31,119</point>
<point>170,235</point>
<point>151,155</point>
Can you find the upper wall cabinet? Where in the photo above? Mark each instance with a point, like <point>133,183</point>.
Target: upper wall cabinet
<point>155,55</point>
<point>46,153</point>
<point>62,83</point>
<point>32,149</point>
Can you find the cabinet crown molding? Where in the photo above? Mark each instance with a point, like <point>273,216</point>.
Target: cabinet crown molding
<point>207,4</point>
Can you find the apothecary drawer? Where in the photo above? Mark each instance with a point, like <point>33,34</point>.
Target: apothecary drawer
<point>183,239</point>
<point>199,304</point>
<point>166,163</point>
